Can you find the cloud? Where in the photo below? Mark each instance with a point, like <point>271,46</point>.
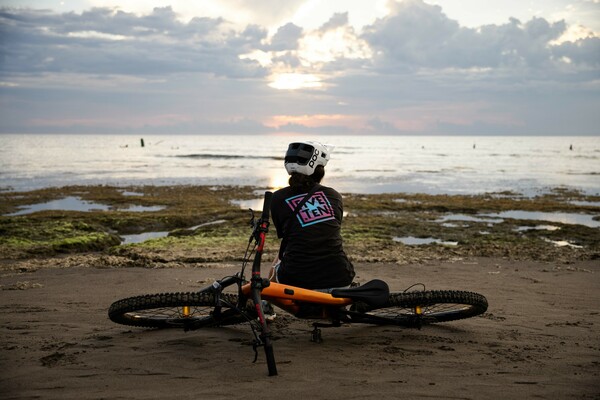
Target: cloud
<point>103,41</point>
<point>264,12</point>
<point>583,51</point>
<point>379,126</point>
<point>338,20</point>
<point>286,38</point>
<point>314,130</point>
<point>418,35</point>
<point>414,70</point>
<point>414,36</point>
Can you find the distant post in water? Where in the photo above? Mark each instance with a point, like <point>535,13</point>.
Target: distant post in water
<point>142,141</point>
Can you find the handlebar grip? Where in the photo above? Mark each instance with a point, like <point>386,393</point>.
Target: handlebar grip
<point>267,206</point>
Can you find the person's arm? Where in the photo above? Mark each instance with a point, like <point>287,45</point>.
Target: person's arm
<point>272,270</point>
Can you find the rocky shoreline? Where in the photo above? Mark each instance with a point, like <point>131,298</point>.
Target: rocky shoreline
<point>209,224</point>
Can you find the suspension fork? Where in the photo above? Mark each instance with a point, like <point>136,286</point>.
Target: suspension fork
<point>258,284</point>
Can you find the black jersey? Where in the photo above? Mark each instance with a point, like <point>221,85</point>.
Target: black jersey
<point>312,255</point>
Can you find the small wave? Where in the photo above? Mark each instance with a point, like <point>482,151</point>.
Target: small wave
<point>582,173</point>
<point>375,170</point>
<point>459,168</point>
<point>584,157</point>
<point>226,157</point>
<point>337,151</point>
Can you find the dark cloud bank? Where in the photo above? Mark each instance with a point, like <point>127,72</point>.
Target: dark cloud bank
<point>107,71</point>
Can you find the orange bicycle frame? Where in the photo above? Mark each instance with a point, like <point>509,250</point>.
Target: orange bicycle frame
<point>290,298</point>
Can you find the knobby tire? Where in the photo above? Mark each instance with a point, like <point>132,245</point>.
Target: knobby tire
<point>426,307</point>
<point>166,310</point>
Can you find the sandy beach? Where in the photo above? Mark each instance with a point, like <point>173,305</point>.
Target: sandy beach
<point>539,338</point>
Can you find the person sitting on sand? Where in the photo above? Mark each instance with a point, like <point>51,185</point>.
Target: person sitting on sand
<point>308,219</point>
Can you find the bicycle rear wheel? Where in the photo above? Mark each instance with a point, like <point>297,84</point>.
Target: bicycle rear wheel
<point>427,307</point>
<point>190,310</point>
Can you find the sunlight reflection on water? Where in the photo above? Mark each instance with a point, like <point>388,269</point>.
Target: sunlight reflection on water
<point>565,218</point>
<point>359,164</point>
<point>415,241</point>
<point>72,203</point>
<point>495,218</point>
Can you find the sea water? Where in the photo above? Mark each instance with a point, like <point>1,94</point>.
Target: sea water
<point>359,164</point>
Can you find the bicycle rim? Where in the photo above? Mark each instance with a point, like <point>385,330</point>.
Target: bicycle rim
<point>172,310</point>
<point>427,307</point>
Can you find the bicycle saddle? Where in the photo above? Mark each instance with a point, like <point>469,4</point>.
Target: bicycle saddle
<point>374,293</point>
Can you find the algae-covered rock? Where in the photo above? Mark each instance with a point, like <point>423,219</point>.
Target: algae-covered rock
<point>207,224</point>
<point>21,236</point>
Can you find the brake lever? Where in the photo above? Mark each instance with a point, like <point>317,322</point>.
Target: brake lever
<point>253,224</point>
<point>252,218</point>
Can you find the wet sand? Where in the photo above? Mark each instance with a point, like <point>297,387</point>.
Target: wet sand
<point>539,339</point>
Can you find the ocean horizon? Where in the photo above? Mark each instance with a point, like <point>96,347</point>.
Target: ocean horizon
<point>528,165</point>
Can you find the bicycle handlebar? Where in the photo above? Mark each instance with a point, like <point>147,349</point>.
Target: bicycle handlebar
<point>266,206</point>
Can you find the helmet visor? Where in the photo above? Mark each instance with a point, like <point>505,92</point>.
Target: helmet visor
<point>299,153</point>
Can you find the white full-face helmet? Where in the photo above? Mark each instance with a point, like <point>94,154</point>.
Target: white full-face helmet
<point>304,157</point>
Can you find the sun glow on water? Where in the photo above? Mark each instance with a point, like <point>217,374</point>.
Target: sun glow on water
<point>278,179</point>
<point>359,164</point>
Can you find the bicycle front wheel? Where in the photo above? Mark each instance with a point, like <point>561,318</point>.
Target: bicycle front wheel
<point>190,310</point>
<point>427,307</point>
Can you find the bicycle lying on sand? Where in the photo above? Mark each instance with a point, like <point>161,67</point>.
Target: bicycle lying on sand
<point>370,303</point>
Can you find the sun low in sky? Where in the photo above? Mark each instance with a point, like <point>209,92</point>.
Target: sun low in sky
<point>303,67</point>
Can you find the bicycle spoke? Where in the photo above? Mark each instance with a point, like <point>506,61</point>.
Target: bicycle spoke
<point>168,313</point>
<point>418,308</point>
<point>166,310</point>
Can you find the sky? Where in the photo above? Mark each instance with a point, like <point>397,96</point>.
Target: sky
<point>412,67</point>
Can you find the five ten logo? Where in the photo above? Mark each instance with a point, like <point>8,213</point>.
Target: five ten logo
<point>316,209</point>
